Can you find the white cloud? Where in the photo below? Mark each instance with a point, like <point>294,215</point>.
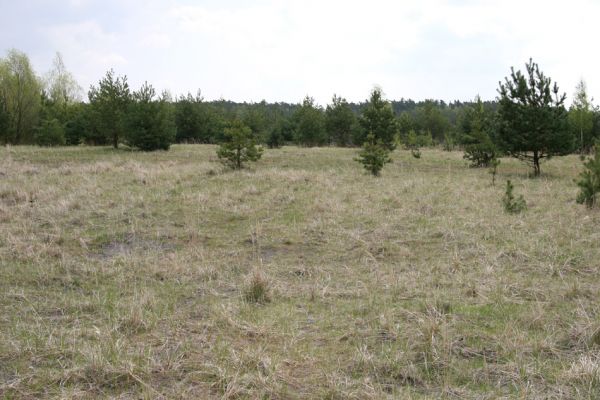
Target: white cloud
<point>283,50</point>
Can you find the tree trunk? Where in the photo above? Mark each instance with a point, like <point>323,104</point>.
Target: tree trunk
<point>536,164</point>
<point>115,140</point>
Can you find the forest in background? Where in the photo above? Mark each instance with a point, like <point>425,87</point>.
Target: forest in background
<point>52,110</point>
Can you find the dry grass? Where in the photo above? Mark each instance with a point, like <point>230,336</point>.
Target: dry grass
<point>135,275</point>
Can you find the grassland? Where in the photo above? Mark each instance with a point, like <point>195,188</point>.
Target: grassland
<point>134,275</point>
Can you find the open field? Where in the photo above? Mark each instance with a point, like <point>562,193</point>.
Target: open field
<point>129,275</point>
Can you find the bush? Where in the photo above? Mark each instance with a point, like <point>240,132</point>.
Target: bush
<point>238,146</point>
<point>50,133</point>
<point>589,182</point>
<point>512,205</point>
<point>374,155</point>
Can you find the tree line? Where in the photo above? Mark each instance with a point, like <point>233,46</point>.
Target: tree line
<point>52,110</point>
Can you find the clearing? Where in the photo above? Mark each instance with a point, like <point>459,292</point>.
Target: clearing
<point>127,275</point>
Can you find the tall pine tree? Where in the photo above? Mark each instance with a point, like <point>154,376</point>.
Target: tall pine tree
<point>532,117</point>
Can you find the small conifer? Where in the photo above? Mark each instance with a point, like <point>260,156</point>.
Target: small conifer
<point>512,205</point>
<point>374,155</point>
<point>239,146</point>
<point>589,181</point>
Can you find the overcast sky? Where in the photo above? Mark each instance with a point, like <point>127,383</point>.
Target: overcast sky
<point>283,50</point>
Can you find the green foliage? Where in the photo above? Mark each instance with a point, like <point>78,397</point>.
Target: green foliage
<point>3,122</point>
<point>60,84</point>
<point>448,142</point>
<point>281,131</point>
<point>76,125</point>
<point>511,204</point>
<point>340,121</point>
<point>149,121</point>
<point>532,116</point>
<point>374,155</point>
<point>257,118</point>
<point>309,124</point>
<point>109,102</point>
<point>589,181</point>
<point>494,163</point>
<point>275,139</point>
<point>424,139</point>
<point>50,133</point>
<point>478,146</point>
<point>196,120</point>
<point>429,118</point>
<point>415,141</point>
<point>20,91</point>
<point>238,146</point>
<point>378,119</point>
<point>581,118</point>
<point>405,124</point>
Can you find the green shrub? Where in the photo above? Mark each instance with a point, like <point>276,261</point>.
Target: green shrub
<point>589,181</point>
<point>511,204</point>
<point>374,155</point>
<point>50,133</point>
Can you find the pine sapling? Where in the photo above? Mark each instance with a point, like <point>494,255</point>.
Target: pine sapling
<point>589,181</point>
<point>494,163</point>
<point>239,146</point>
<point>511,204</point>
<point>374,155</point>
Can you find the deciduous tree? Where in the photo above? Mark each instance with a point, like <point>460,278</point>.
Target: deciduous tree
<point>20,90</point>
<point>581,118</point>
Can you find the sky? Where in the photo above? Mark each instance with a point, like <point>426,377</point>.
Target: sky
<point>285,50</point>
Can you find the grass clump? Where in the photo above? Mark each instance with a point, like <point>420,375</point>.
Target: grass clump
<point>257,290</point>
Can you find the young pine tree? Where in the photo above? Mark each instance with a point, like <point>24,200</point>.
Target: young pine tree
<point>374,155</point>
<point>239,146</point>
<point>589,182</point>
<point>479,147</point>
<point>511,204</point>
